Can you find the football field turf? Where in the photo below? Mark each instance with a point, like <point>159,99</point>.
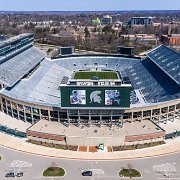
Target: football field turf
<point>98,74</point>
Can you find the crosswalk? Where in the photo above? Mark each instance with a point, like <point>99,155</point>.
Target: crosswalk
<point>164,168</point>
<point>166,171</point>
<point>19,164</point>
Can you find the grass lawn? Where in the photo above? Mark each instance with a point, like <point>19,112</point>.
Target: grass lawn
<point>99,74</point>
<point>129,173</point>
<point>54,171</point>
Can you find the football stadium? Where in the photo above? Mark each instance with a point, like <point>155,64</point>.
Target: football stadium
<point>87,100</point>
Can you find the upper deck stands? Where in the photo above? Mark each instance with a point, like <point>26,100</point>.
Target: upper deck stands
<point>15,68</point>
<point>14,46</point>
<point>16,39</point>
<point>168,60</point>
<point>154,85</point>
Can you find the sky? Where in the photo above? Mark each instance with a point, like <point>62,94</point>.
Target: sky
<point>88,5</point>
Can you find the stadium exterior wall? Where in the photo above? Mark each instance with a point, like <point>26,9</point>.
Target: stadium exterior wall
<point>33,112</point>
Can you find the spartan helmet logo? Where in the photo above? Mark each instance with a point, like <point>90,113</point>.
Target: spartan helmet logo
<point>94,97</point>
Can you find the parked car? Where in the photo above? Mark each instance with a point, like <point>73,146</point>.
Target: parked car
<point>13,174</point>
<point>87,173</point>
<point>19,174</point>
<point>10,174</point>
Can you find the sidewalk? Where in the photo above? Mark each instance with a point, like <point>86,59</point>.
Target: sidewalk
<point>13,123</point>
<point>15,143</point>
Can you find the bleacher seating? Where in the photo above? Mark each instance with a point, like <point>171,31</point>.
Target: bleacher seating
<point>42,86</point>
<point>155,85</point>
<point>151,77</point>
<point>14,69</point>
<point>105,63</point>
<point>168,60</point>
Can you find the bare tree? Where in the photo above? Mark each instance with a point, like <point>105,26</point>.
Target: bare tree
<point>53,166</point>
<point>129,167</point>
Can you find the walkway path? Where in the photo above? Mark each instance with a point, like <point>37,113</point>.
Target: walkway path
<point>15,143</point>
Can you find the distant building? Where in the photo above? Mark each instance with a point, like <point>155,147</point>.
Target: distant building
<point>107,20</point>
<point>140,21</point>
<point>173,39</point>
<point>96,21</point>
<point>66,35</point>
<point>141,38</point>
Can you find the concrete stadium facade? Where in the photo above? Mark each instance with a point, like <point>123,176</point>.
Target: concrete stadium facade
<point>160,112</point>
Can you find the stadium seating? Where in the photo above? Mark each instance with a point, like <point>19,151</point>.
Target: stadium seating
<point>15,68</point>
<point>42,86</point>
<point>153,82</point>
<point>105,63</point>
<point>152,77</point>
<point>168,60</point>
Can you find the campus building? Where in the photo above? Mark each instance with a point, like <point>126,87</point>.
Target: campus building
<point>106,20</point>
<point>134,21</point>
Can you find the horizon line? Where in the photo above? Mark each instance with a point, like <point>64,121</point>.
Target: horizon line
<point>88,10</point>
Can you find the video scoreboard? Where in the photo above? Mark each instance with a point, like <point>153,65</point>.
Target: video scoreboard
<point>75,96</point>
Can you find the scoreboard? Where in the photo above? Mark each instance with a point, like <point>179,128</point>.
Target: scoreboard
<point>66,50</point>
<point>107,97</point>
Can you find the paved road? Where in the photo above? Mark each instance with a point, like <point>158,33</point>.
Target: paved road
<point>103,170</point>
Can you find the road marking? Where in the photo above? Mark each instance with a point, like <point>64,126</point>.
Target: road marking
<point>172,174</point>
<point>168,170</point>
<point>95,171</point>
<point>18,163</point>
<point>168,178</point>
<point>164,168</point>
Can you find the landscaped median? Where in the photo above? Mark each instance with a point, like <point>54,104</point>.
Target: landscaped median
<point>137,146</point>
<point>56,146</point>
<point>54,171</point>
<point>129,172</point>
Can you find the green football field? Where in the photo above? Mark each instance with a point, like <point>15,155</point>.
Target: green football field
<point>99,74</point>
